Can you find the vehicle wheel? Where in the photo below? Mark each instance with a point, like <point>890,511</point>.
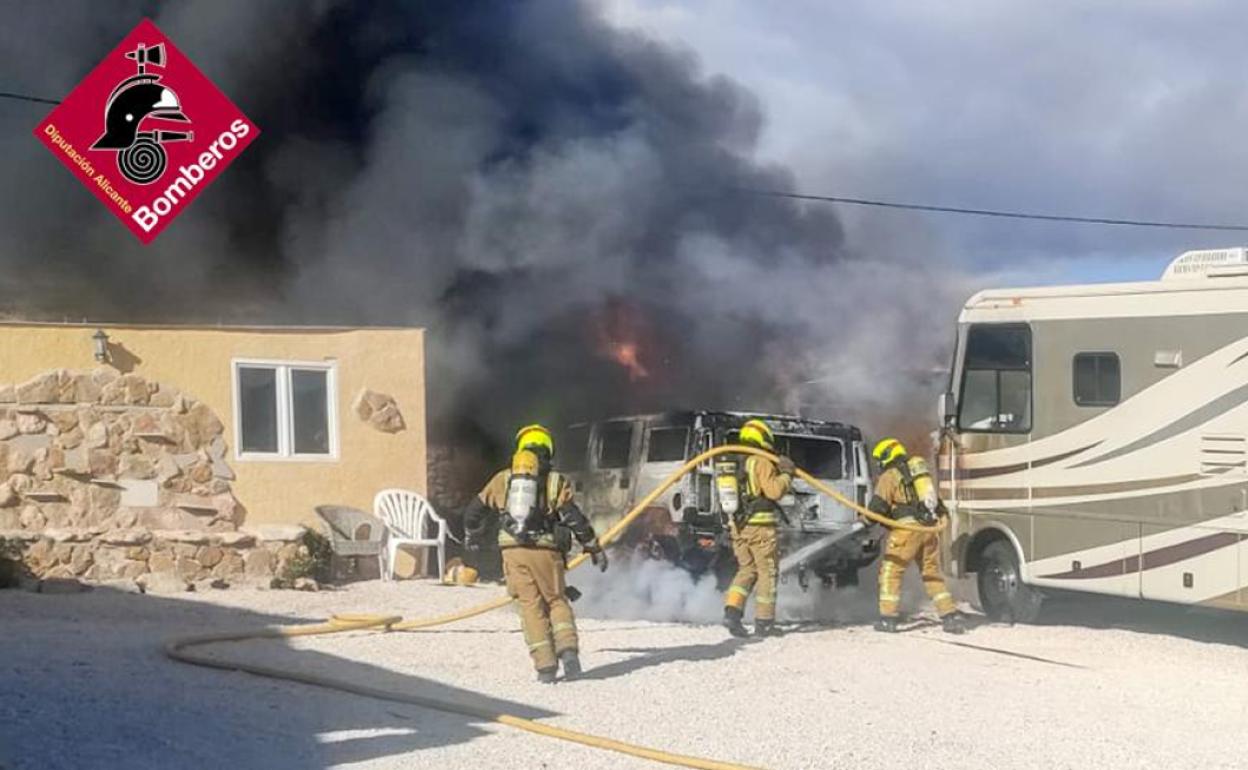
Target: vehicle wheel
<point>1002,592</point>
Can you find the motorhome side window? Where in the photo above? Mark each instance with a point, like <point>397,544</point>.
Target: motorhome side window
<point>1097,379</point>
<point>614,444</point>
<point>996,379</point>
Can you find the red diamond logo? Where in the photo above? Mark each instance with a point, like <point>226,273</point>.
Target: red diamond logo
<point>146,131</point>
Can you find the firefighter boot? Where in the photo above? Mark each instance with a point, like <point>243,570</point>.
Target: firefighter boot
<point>571,664</point>
<point>953,623</point>
<point>886,624</point>
<point>732,622</point>
<point>547,675</point>
<point>766,628</point>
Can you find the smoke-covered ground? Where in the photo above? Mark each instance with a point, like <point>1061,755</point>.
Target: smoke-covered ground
<point>567,206</point>
<point>647,589</point>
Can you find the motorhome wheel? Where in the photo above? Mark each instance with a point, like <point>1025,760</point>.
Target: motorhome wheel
<point>1002,592</point>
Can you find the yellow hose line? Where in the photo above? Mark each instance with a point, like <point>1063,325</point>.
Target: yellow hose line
<point>179,649</point>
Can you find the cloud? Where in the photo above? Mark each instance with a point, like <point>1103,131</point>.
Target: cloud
<point>1090,108</point>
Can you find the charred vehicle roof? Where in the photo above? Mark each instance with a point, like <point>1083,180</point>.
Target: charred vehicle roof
<point>727,420</point>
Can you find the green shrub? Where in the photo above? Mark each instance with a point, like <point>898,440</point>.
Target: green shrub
<point>12,568</point>
<point>313,559</point>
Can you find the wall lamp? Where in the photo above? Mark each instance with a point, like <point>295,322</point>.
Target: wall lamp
<point>100,341</point>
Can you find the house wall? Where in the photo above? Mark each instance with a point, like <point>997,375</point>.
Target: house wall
<point>198,361</point>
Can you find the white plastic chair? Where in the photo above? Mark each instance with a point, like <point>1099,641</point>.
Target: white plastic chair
<point>406,513</point>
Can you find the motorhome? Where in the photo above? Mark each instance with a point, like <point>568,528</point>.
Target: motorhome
<point>615,463</point>
<point>1095,438</point>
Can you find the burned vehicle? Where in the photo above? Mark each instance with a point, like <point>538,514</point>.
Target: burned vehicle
<point>616,462</point>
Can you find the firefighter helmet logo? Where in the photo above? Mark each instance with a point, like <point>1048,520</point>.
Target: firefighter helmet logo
<point>126,131</point>
<point>133,107</point>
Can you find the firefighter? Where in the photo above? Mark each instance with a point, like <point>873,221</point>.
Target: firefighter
<point>905,493</point>
<point>537,518</point>
<point>753,528</point>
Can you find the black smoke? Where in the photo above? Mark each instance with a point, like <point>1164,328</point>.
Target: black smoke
<point>530,184</point>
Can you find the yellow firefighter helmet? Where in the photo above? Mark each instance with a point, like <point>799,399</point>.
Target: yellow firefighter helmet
<point>757,433</point>
<point>459,574</point>
<point>888,450</point>
<point>535,436</point>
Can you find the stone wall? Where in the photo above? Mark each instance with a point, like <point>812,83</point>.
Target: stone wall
<point>108,476</point>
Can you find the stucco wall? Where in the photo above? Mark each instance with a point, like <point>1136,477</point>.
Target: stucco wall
<point>198,361</point>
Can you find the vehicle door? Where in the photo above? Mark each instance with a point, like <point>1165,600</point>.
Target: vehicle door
<point>663,452</point>
<point>615,447</point>
<point>825,458</point>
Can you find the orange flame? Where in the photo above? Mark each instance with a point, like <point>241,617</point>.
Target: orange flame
<point>621,329</point>
<point>625,354</point>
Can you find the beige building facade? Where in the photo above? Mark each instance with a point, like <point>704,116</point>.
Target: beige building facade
<point>128,451</point>
<point>275,484</point>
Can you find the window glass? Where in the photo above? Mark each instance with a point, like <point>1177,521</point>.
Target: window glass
<point>996,380</point>
<point>821,458</point>
<point>257,403</point>
<point>615,440</point>
<point>1097,379</point>
<point>667,445</point>
<point>309,397</point>
<point>570,450</point>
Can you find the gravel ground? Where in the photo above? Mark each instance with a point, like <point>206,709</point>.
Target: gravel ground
<point>83,684</point>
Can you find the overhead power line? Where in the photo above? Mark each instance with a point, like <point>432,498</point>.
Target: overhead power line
<point>1000,214</point>
<point>906,206</point>
<point>25,98</point>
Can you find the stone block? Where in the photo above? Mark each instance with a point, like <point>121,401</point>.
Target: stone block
<point>237,539</point>
<point>102,463</point>
<point>127,537</point>
<point>97,435</point>
<point>163,583</point>
<point>136,466</point>
<point>33,519</point>
<point>160,562</point>
<point>258,563</point>
<point>31,423</point>
<point>41,389</point>
<point>278,533</point>
<point>209,556</point>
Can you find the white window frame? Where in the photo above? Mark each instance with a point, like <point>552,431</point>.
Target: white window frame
<point>285,425</point>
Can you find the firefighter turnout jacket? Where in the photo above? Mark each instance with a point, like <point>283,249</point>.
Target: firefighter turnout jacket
<point>765,486</point>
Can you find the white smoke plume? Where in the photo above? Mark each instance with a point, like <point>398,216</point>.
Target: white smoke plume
<point>648,589</point>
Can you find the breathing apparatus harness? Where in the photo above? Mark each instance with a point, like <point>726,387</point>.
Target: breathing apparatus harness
<point>922,505</point>
<point>737,500</point>
<point>529,489</point>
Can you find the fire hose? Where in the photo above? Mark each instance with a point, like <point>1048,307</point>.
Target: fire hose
<point>181,649</point>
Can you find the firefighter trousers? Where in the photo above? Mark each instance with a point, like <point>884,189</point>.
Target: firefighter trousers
<point>757,568</point>
<point>535,580</point>
<point>905,547</point>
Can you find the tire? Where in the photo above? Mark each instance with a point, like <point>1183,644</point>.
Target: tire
<point>1002,593</point>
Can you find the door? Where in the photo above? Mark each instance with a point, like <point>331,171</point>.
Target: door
<point>664,449</point>
<point>612,471</point>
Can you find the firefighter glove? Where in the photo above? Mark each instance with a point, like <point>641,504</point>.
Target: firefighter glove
<point>785,465</point>
<point>599,558</point>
